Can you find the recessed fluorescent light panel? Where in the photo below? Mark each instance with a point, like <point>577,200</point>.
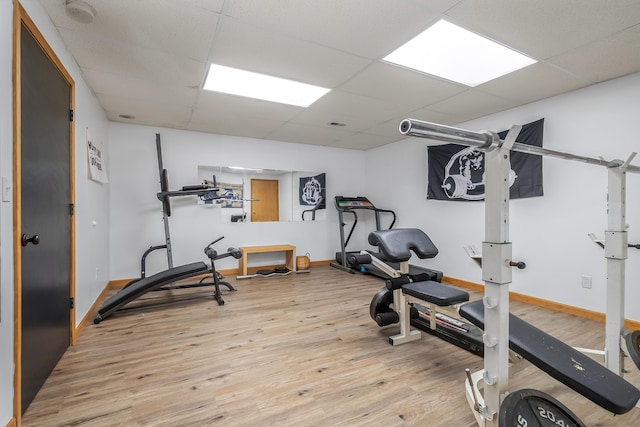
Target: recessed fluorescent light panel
<point>451,52</point>
<point>260,86</point>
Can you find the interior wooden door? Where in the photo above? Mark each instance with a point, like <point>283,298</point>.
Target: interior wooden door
<point>264,200</point>
<point>45,212</point>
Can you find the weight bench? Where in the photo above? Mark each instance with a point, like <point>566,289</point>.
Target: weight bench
<point>564,363</point>
<point>148,284</point>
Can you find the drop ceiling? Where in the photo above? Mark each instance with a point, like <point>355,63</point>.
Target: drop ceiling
<point>146,60</point>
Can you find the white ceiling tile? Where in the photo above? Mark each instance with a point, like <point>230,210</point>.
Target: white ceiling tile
<point>324,117</point>
<point>164,114</point>
<point>428,115</point>
<point>472,103</point>
<point>241,45</point>
<point>365,141</point>
<point>545,28</point>
<point>226,123</point>
<point>176,27</point>
<point>349,104</point>
<point>303,134</point>
<point>537,81</point>
<point>217,103</point>
<point>399,85</point>
<point>117,57</point>
<point>369,28</point>
<point>139,89</point>
<point>605,59</point>
<point>148,58</point>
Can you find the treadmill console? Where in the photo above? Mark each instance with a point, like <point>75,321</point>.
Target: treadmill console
<point>359,202</point>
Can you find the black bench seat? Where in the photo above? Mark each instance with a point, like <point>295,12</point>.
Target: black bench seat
<point>563,362</point>
<point>436,293</point>
<point>147,284</point>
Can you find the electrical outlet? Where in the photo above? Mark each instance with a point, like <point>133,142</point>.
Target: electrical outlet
<point>586,282</point>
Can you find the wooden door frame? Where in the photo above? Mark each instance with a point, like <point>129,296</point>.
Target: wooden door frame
<point>20,17</point>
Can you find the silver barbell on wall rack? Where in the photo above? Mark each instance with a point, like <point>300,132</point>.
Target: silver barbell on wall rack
<point>499,247</point>
<point>487,141</point>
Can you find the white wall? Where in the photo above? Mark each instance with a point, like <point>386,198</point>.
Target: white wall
<point>136,215</point>
<point>6,217</point>
<point>549,233</point>
<point>91,198</point>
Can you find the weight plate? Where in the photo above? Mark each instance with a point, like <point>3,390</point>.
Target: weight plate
<point>380,302</point>
<point>632,340</point>
<point>533,408</point>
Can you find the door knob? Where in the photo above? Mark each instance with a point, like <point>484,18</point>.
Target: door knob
<point>35,239</point>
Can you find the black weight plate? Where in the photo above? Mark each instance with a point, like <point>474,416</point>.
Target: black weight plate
<point>380,302</point>
<point>633,345</point>
<point>533,408</point>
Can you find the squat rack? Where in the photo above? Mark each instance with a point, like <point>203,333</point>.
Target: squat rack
<point>497,250</point>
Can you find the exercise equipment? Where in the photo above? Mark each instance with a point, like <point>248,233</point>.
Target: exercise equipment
<point>561,361</point>
<point>533,408</point>
<point>278,271</point>
<point>365,261</point>
<point>496,274</point>
<point>320,205</point>
<point>160,281</point>
<point>204,192</point>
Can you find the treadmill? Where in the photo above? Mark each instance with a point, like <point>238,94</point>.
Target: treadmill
<point>350,206</point>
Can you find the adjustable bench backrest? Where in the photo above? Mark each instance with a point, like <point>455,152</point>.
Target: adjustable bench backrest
<point>397,244</point>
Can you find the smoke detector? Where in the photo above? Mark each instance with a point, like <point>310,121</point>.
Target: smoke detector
<point>80,10</point>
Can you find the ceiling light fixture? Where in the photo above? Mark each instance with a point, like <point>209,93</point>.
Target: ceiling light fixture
<point>241,168</point>
<point>451,52</point>
<point>80,11</point>
<point>260,86</point>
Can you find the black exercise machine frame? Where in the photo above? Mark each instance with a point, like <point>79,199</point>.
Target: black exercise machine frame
<point>365,261</point>
<point>349,205</point>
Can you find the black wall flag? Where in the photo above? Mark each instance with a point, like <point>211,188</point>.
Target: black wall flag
<point>456,172</point>
<point>313,190</point>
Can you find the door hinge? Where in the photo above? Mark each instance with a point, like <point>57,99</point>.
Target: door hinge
<point>70,115</point>
<point>72,209</point>
<point>71,303</point>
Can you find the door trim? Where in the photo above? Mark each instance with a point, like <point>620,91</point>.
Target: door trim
<point>20,17</point>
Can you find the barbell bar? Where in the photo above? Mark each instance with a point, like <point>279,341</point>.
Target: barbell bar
<point>486,141</point>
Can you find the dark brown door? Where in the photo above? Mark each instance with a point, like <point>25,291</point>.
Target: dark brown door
<point>45,216</point>
<point>264,200</point>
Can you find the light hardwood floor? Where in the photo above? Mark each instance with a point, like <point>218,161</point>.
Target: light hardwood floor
<point>298,350</point>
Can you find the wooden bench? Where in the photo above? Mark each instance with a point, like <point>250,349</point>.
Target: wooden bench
<point>289,250</point>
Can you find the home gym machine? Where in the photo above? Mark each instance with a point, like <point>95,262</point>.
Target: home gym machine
<point>451,317</point>
<point>167,277</point>
<point>204,192</point>
<point>501,329</point>
<point>368,262</point>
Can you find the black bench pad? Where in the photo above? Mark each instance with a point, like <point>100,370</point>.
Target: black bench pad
<point>397,244</point>
<point>435,293</point>
<point>563,362</point>
<point>150,283</point>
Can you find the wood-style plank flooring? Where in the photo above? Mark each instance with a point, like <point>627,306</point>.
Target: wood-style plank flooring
<point>296,350</point>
